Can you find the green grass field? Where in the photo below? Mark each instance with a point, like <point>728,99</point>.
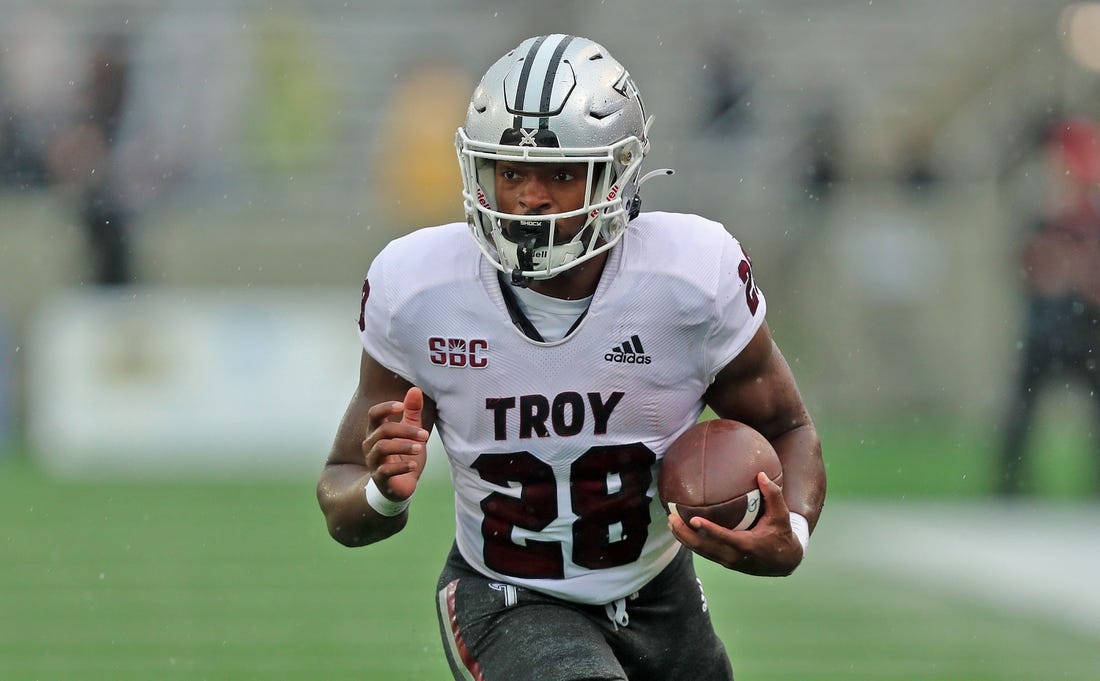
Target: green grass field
<point>238,580</point>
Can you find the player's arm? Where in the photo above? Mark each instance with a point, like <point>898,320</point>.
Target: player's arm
<point>758,388</point>
<point>383,435</point>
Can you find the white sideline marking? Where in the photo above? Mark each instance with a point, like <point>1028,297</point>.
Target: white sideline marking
<point>1039,558</point>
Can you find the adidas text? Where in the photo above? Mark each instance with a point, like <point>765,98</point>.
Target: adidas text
<point>623,358</point>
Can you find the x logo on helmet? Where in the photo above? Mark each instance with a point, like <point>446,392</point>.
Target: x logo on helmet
<point>528,138</point>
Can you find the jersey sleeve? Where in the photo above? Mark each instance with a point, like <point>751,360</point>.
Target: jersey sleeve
<point>739,308</point>
<point>377,326</point>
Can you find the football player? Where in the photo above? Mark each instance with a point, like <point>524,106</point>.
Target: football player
<point>557,353</point>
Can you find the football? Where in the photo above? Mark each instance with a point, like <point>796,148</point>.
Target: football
<point>710,471</point>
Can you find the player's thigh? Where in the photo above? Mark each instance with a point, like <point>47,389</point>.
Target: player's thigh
<point>670,636</point>
<point>494,632</point>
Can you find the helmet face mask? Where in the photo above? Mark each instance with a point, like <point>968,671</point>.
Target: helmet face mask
<point>554,99</point>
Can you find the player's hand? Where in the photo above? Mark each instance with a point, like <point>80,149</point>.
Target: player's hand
<point>395,448</point>
<point>769,548</point>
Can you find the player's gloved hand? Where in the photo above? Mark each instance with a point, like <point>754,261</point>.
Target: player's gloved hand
<point>395,448</point>
<point>769,549</point>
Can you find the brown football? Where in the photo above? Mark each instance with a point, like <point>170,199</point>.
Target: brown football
<point>710,471</point>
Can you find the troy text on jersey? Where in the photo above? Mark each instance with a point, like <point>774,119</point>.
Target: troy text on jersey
<point>565,413</point>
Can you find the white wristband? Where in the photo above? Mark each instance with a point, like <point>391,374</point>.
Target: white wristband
<point>801,528</point>
<point>383,505</point>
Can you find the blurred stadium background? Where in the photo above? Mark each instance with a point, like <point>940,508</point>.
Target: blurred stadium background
<point>881,160</point>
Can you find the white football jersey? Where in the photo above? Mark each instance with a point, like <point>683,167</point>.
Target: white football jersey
<point>554,447</point>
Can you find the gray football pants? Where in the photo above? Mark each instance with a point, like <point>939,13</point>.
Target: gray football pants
<point>494,631</point>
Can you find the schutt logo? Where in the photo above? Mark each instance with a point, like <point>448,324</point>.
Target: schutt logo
<point>458,352</point>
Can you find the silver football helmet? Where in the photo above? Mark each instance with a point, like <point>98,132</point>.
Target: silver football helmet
<point>554,98</point>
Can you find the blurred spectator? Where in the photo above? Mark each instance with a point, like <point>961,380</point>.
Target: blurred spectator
<point>180,127</point>
<point>819,154</point>
<point>417,176</point>
<point>42,65</point>
<point>21,163</point>
<point>79,159</point>
<point>1060,265</point>
<point>293,112</point>
<point>918,173</point>
<point>114,119</point>
<point>726,88</point>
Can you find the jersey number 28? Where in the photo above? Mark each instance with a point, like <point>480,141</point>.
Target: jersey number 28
<point>601,510</point>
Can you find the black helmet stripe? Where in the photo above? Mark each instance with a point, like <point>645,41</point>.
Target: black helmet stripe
<point>524,76</point>
<point>548,82</point>
<point>532,89</point>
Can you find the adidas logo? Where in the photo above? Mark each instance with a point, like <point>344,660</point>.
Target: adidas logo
<point>630,352</point>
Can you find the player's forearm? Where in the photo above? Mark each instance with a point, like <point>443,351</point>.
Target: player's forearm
<point>804,485</point>
<point>351,521</point>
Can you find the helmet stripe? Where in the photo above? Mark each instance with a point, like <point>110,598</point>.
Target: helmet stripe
<point>548,82</point>
<point>535,88</point>
<point>524,75</point>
